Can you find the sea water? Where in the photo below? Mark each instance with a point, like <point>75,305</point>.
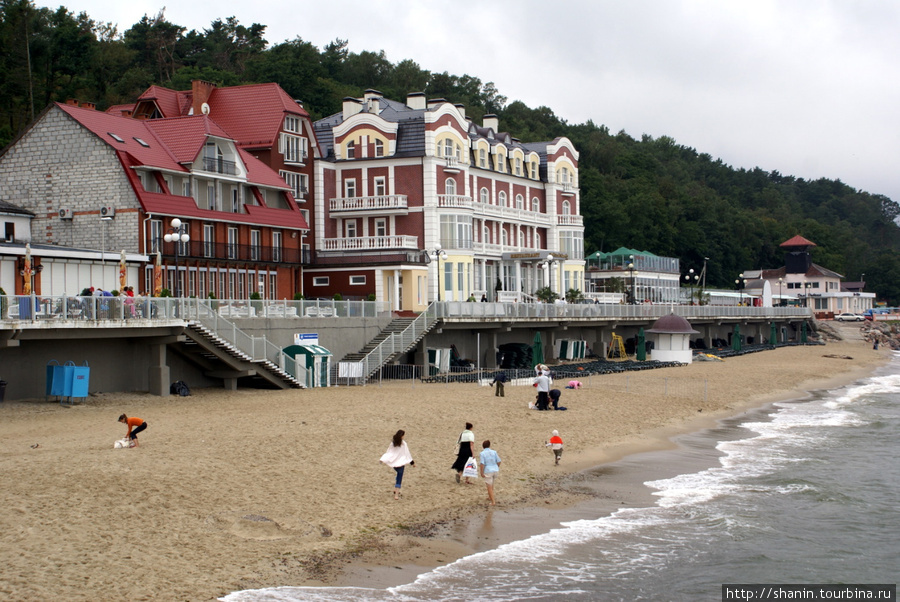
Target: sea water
<point>804,493</point>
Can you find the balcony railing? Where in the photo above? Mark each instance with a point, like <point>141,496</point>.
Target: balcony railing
<point>569,220</point>
<point>511,213</point>
<point>388,202</point>
<point>198,249</point>
<point>455,200</point>
<point>370,243</point>
<point>217,165</point>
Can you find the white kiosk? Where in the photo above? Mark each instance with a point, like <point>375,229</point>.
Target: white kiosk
<point>672,339</point>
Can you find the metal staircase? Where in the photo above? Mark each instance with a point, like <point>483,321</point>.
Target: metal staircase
<point>398,337</point>
<point>225,351</point>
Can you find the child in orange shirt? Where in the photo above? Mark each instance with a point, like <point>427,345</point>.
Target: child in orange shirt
<point>556,443</point>
<point>138,424</point>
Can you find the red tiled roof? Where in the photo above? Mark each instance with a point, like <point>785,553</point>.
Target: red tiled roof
<point>185,136</point>
<point>119,109</point>
<point>798,241</point>
<point>260,173</point>
<point>253,114</point>
<point>183,206</point>
<point>170,103</point>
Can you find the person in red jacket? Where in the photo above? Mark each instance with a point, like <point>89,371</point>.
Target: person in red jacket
<point>556,444</point>
<point>138,424</point>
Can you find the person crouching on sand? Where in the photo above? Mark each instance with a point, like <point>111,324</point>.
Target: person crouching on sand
<point>397,457</point>
<point>138,424</point>
<point>556,444</point>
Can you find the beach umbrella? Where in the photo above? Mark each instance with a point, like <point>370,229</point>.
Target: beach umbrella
<point>27,271</point>
<point>803,332</point>
<point>736,338</point>
<point>773,334</point>
<point>157,275</point>
<point>640,353</point>
<point>537,350</point>
<point>122,271</point>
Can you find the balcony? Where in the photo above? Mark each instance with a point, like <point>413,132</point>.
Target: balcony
<point>452,165</point>
<point>371,243</point>
<point>389,203</point>
<point>568,188</point>
<point>218,165</point>
<point>570,220</point>
<point>197,249</point>
<point>456,201</point>
<point>524,216</point>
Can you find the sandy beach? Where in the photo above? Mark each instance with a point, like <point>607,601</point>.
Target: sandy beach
<point>232,490</point>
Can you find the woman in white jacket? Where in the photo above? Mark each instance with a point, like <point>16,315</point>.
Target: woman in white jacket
<point>397,457</point>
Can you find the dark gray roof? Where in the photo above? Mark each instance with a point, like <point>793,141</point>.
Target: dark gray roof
<point>6,207</point>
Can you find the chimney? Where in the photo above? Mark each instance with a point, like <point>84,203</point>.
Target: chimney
<point>200,93</point>
<point>352,106</point>
<point>416,101</point>
<point>127,113</point>
<point>491,121</point>
<point>88,105</point>
<point>435,102</point>
<point>71,102</point>
<point>462,109</point>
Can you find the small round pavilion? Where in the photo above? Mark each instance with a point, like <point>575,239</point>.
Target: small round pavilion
<point>672,339</point>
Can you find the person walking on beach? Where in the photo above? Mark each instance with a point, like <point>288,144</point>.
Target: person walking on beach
<point>498,381</point>
<point>138,424</point>
<point>397,457</point>
<point>556,444</point>
<point>489,467</point>
<point>466,450</point>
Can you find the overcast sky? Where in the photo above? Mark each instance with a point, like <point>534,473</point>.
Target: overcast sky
<point>809,88</point>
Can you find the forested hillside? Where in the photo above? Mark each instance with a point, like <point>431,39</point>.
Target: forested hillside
<point>649,194</point>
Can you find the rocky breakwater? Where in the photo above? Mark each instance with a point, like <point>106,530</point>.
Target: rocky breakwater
<point>886,334</point>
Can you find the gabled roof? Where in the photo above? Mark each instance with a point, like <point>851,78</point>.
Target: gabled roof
<point>185,136</point>
<point>170,103</point>
<point>253,114</point>
<point>797,241</point>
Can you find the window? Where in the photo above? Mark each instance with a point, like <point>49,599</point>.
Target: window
<point>520,202</point>
<point>536,205</point>
<point>448,148</point>
<point>534,166</point>
<point>381,227</point>
<point>501,198</point>
<point>504,237</point>
<point>572,244</point>
<point>357,280</point>
<point>292,124</point>
<point>379,148</point>
<point>485,196</point>
<point>235,199</point>
<point>232,246</point>
<point>320,281</point>
<point>350,188</point>
<point>351,150</point>
<point>518,166</point>
<point>156,235</point>
<point>501,162</point>
<point>566,208</point>
<point>380,187</point>
<point>186,187</point>
<point>255,245</point>
<point>276,246</point>
<point>456,231</point>
<point>350,228</point>
<point>297,182</point>
<point>450,187</point>
<point>211,196</point>
<point>293,148</point>
<point>521,239</point>
<point>482,158</point>
<point>209,240</point>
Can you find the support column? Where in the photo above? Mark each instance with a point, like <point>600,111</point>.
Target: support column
<point>495,349</point>
<point>158,376</point>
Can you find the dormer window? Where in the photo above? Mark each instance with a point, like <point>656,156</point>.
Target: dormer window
<point>518,166</point>
<point>351,150</point>
<point>482,158</point>
<point>379,148</point>
<point>292,124</point>
<point>115,137</point>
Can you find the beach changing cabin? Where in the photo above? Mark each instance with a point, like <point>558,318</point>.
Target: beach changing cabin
<point>313,364</point>
<point>672,338</point>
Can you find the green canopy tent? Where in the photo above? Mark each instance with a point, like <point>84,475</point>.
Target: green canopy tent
<point>537,350</point>
<point>773,334</point>
<point>803,332</point>
<point>640,352</point>
<point>736,338</point>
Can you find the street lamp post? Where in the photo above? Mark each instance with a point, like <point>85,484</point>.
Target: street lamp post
<point>179,235</point>
<point>438,255</point>
<point>780,298</point>
<point>806,287</point>
<point>633,283</point>
<point>692,279</point>
<point>739,284</point>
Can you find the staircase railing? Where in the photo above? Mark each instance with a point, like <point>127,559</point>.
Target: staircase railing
<point>396,343</point>
<point>258,348</point>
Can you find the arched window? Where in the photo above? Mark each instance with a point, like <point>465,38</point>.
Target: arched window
<point>485,196</point>
<point>520,201</point>
<point>521,239</point>
<point>379,148</point>
<point>448,148</point>
<point>537,240</point>
<point>485,234</point>
<point>518,166</point>
<point>351,149</point>
<point>450,186</point>
<point>482,158</point>
<point>536,205</point>
<point>566,208</point>
<point>504,237</point>
<point>501,198</point>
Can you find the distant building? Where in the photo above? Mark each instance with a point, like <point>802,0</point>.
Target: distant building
<point>410,195</point>
<point>802,282</point>
<point>640,275</point>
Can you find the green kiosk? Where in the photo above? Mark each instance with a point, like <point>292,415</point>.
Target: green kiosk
<point>314,361</point>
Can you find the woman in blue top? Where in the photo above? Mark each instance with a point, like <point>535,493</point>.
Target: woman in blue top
<point>489,468</point>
